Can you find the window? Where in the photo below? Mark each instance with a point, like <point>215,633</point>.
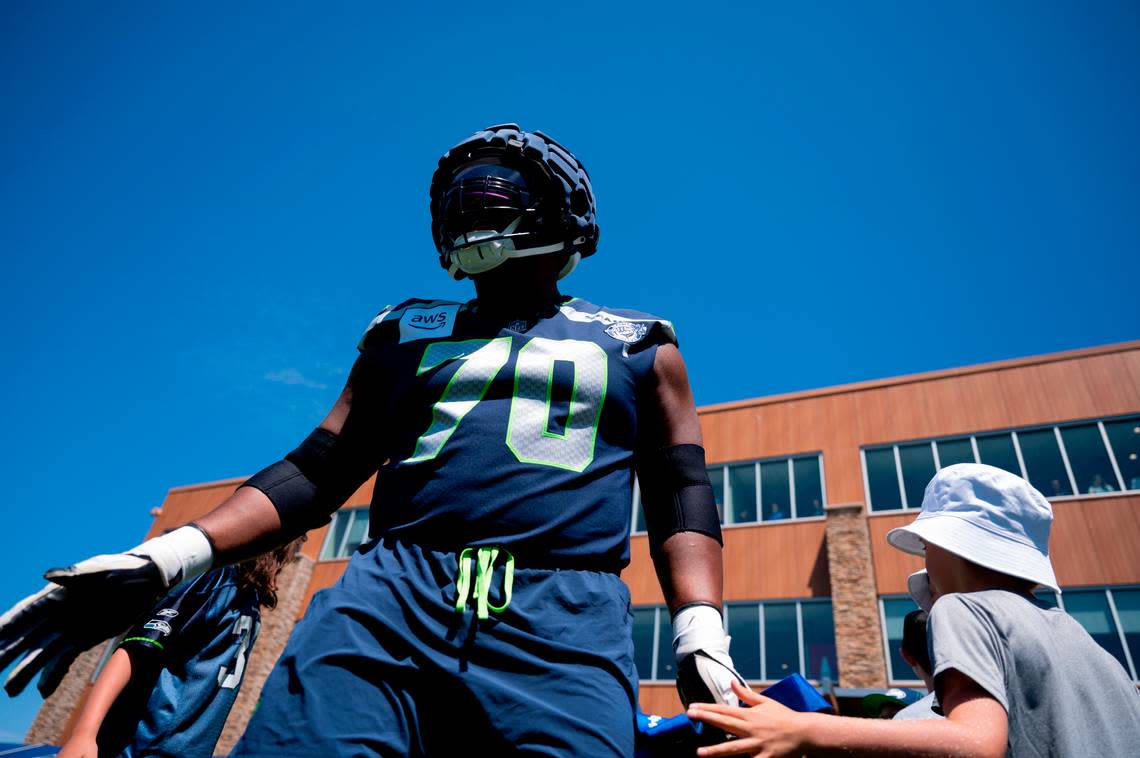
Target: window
<point>818,641</point>
<point>781,640</point>
<point>1127,604</point>
<point>997,450</point>
<point>775,484</point>
<point>769,640</point>
<point>638,513</point>
<point>918,469</point>
<point>1124,437</point>
<point>741,494</point>
<point>666,661</point>
<point>349,528</point>
<point>1088,459</point>
<point>1043,462</point>
<point>894,610</point>
<point>767,490</point>
<point>1092,610</point>
<point>744,628</point>
<point>882,479</point>
<point>653,644</point>
<point>644,637</point>
<point>809,489</point>
<point>955,451</point>
<point>716,478</point>
<point>1078,459</point>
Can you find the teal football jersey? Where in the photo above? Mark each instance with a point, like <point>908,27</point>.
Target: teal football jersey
<point>196,641</point>
<point>520,435</point>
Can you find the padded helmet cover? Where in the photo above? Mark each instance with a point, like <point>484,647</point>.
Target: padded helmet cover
<point>571,214</point>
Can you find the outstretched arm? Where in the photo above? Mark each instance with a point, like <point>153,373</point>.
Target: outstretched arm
<point>249,522</point>
<point>976,726</point>
<point>110,684</point>
<point>44,632</point>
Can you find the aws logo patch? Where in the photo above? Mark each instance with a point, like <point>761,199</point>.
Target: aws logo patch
<point>430,322</point>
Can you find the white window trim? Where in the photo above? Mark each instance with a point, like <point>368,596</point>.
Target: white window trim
<point>1111,455</point>
<point>899,476</point>
<point>791,490</point>
<point>1120,633</point>
<point>1065,459</point>
<point>656,643</point>
<point>1020,458</point>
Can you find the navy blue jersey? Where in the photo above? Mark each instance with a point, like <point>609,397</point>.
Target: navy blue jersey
<point>521,436</point>
<point>196,642</point>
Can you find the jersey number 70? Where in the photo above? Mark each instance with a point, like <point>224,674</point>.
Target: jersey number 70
<point>528,435</point>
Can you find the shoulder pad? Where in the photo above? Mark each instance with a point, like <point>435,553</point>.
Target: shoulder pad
<point>405,314</point>
<point>628,326</point>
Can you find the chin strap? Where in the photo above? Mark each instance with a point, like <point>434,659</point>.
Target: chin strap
<point>479,251</point>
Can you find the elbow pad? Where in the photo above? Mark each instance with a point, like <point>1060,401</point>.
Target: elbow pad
<point>676,494</point>
<point>312,481</point>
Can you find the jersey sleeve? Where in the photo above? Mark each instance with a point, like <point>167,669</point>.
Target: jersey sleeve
<point>373,330</point>
<point>173,617</point>
<point>964,638</point>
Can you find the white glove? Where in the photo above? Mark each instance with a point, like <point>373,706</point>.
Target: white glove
<point>704,668</point>
<point>92,601</point>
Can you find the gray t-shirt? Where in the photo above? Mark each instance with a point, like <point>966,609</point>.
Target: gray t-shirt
<point>920,709</point>
<point>1065,695</point>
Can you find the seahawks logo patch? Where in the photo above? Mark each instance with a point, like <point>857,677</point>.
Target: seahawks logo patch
<point>168,612</point>
<point>628,331</point>
<point>158,626</point>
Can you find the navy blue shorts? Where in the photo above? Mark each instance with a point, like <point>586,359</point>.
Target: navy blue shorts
<point>383,665</point>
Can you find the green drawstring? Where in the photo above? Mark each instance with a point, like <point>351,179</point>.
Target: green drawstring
<point>484,571</point>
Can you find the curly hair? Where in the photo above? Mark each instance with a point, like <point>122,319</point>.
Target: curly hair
<point>260,573</point>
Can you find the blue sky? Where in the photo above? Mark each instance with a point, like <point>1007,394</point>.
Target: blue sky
<point>202,205</point>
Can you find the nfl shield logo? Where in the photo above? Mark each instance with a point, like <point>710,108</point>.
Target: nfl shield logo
<point>627,331</point>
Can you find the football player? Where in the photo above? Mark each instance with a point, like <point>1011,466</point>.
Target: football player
<point>487,612</point>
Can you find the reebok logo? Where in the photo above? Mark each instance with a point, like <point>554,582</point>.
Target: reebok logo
<point>417,323</point>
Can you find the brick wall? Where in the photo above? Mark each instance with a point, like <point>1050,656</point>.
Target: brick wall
<point>858,636</point>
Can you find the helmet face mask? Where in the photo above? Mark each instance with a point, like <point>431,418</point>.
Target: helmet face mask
<point>505,193</point>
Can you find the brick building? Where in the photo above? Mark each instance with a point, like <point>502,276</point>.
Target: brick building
<point>809,483</point>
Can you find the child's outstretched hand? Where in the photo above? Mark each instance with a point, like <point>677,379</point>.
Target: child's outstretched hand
<point>766,729</point>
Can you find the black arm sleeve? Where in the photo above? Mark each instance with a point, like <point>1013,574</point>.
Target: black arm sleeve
<point>676,494</point>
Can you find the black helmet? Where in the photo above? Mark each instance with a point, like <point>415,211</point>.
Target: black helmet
<point>505,193</point>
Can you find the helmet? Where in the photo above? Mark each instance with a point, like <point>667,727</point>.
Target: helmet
<point>504,193</point>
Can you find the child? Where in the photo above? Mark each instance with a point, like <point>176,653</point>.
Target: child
<point>167,689</point>
<point>916,653</point>
<point>1013,677</point>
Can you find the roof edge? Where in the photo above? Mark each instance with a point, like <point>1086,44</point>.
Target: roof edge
<point>870,384</point>
<point>206,485</point>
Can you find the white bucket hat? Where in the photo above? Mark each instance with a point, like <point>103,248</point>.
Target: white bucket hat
<point>986,515</point>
